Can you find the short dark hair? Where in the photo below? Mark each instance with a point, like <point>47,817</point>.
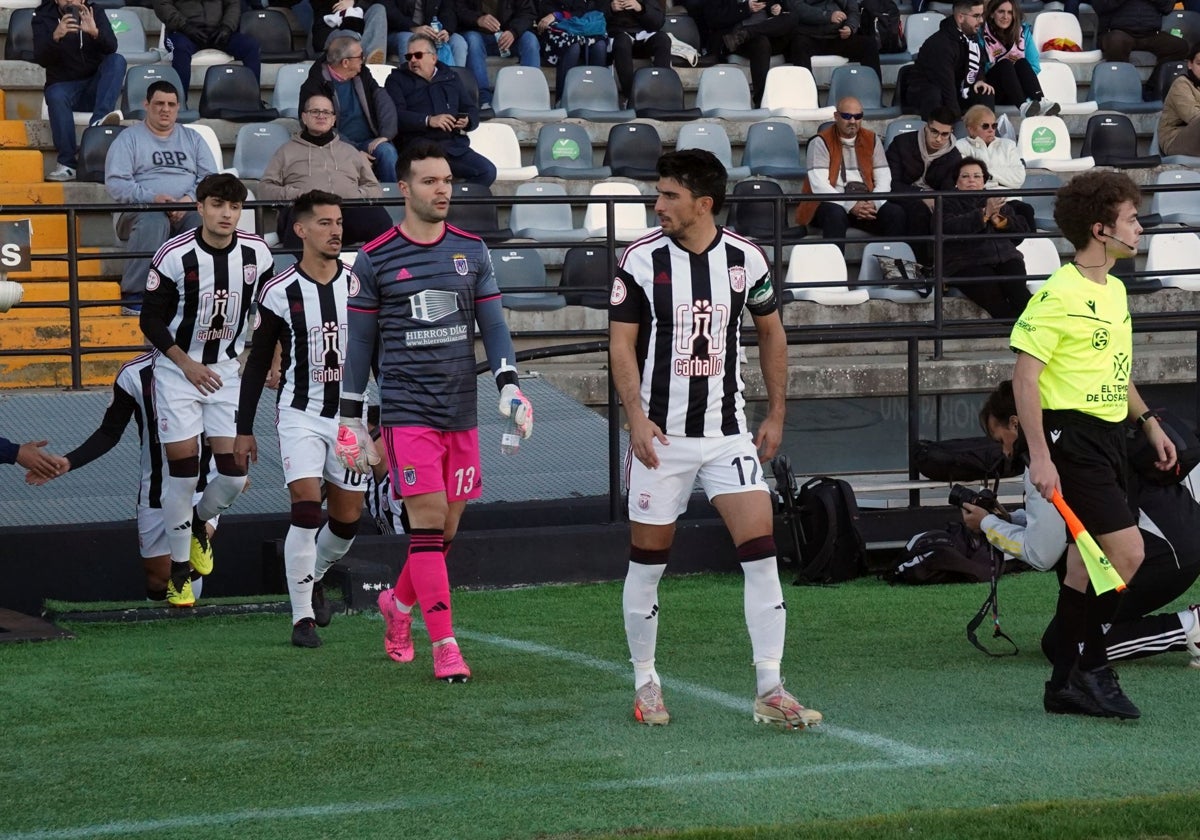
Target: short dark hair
<point>418,150</point>
<point>223,186</point>
<point>161,86</point>
<point>1091,197</point>
<point>1194,51</point>
<point>971,161</point>
<point>305,205</point>
<point>322,92</point>
<point>699,171</point>
<point>943,114</point>
<point>963,6</point>
<point>1000,405</point>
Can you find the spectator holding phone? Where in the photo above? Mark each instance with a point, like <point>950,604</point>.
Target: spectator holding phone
<point>432,104</point>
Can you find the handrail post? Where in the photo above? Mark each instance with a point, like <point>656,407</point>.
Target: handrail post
<point>73,298</point>
<point>939,300</point>
<point>914,416</point>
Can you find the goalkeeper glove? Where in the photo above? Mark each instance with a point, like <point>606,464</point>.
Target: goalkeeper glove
<point>354,448</point>
<point>524,411</point>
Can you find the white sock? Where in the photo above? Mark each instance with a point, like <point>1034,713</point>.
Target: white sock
<point>299,558</point>
<point>403,607</point>
<point>766,619</point>
<point>639,601</point>
<point>197,587</point>
<point>220,493</point>
<point>177,515</point>
<point>1188,619</point>
<point>330,549</point>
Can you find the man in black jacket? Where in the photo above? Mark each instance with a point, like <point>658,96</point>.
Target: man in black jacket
<point>84,72</point>
<point>634,31</point>
<point>924,161</point>
<point>500,28</point>
<point>1127,25</point>
<point>194,25</point>
<point>831,27</point>
<point>946,70</point>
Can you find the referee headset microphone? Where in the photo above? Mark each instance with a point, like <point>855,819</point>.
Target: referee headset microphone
<point>1122,241</point>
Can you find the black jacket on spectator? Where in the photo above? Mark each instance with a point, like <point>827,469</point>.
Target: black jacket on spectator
<point>904,159</point>
<point>1137,17</point>
<point>376,104</point>
<point>963,213</point>
<point>650,19</point>
<point>812,16</point>
<point>400,14</point>
<point>416,98</point>
<point>74,57</point>
<point>515,16</point>
<point>210,15</point>
<point>941,64</point>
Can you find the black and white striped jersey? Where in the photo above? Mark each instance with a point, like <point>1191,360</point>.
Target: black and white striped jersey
<point>208,291</point>
<point>134,386</point>
<point>311,326</point>
<point>689,308</point>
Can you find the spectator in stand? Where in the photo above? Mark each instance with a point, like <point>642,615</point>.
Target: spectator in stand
<point>831,27</point>
<point>987,254</point>
<point>763,31</point>
<point>713,19</point>
<point>1179,125</point>
<point>435,19</point>
<point>572,32</point>
<point>366,116</point>
<point>194,25</point>
<point>316,159</point>
<point>360,19</point>
<point>846,154</point>
<point>1010,59</point>
<point>948,71</point>
<point>33,457</point>
<point>1127,25</point>
<point>84,72</point>
<point>1006,170</point>
<point>500,28</point>
<point>155,161</point>
<point>634,31</point>
<point>432,104</point>
<point>924,161</point>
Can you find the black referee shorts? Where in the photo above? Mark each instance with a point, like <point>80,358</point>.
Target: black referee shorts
<point>1089,455</point>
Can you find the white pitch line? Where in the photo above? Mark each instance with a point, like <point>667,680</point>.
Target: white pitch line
<point>903,754</point>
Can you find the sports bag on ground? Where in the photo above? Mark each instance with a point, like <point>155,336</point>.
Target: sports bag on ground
<point>823,518</point>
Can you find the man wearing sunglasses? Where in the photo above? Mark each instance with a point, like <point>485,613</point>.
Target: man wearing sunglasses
<point>946,72</point>
<point>847,158</point>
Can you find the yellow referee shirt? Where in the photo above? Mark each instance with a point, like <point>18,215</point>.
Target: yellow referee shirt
<point>1083,334</point>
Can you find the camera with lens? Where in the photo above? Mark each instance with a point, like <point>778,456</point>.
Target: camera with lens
<point>985,498</point>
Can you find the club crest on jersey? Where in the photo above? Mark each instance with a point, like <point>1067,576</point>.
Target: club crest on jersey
<point>737,278</point>
<point>618,292</point>
<point>643,501</point>
<point>153,280</point>
<point>410,475</point>
<point>460,264</point>
<point>249,274</point>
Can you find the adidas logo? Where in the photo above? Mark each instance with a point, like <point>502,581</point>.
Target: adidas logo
<point>307,579</point>
<point>653,612</point>
<point>438,607</point>
<point>1055,434</point>
<point>186,526</point>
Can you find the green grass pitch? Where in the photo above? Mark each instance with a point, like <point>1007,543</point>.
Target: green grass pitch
<point>217,727</point>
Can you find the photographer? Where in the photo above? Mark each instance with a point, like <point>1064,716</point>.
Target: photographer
<point>1168,517</point>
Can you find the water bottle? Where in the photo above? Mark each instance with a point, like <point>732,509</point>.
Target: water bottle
<point>503,53</point>
<point>510,441</point>
<point>435,24</point>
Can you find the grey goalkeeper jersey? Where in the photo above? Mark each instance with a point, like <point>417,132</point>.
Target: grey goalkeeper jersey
<point>421,300</point>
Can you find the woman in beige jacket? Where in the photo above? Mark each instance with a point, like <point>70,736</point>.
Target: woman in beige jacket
<point>316,159</point>
<point>1179,125</point>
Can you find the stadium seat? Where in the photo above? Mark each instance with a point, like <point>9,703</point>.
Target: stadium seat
<point>630,219</point>
<point>1164,75</point>
<point>131,37</point>
<point>724,93</point>
<point>682,27</point>
<point>214,145</point>
<point>231,92</point>
<point>1183,22</point>
<point>564,150</point>
<point>900,93</point>
<point>201,58</point>
<point>821,262</point>
<point>1050,25</point>
<point>919,26</point>
<point>1176,207</point>
<point>255,146</point>
<point>590,93</point>
<point>523,268</point>
<point>544,222</point>
<point>1044,143</point>
<point>1175,252</point>
<point>137,79</point>
<point>711,136</point>
<point>773,150</point>
<point>756,219</point>
<point>657,94</point>
<point>392,192</point>
<point>80,117</point>
<point>633,150</point>
<point>870,274</point>
<point>522,93</point>
<point>1192,161</point>
<point>285,98</point>
<point>498,143</point>
<point>472,89</point>
<point>903,125</point>
<point>1041,260</point>
<point>1043,205</point>
<point>246,221</point>
<point>1059,85</point>
<point>1116,86</point>
<point>586,268</point>
<point>18,43</point>
<point>1112,140</point>
<point>93,151</point>
<point>271,29</point>
<point>481,219</point>
<point>791,92</point>
<point>380,73</point>
<point>861,83</point>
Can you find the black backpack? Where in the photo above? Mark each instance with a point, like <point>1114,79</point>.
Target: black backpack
<point>823,518</point>
<point>883,18</point>
<point>964,459</point>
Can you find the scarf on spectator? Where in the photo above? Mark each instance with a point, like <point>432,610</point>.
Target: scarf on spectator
<point>318,139</point>
<point>997,50</point>
<point>973,56</point>
<point>928,157</point>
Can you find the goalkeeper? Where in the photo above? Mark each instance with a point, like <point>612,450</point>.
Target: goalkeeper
<point>424,285</point>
